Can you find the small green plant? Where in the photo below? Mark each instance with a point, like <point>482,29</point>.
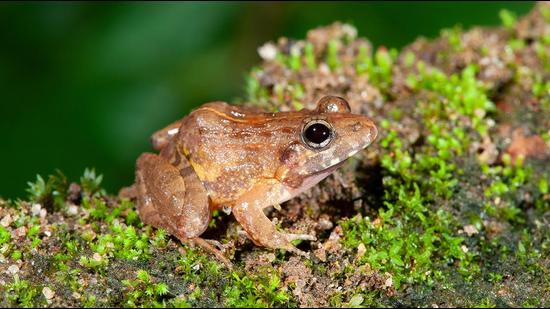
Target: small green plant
<point>310,57</point>
<point>21,292</point>
<point>5,236</point>
<point>91,183</point>
<point>90,301</point>
<point>49,193</point>
<point>508,18</point>
<point>333,61</point>
<point>453,36</point>
<point>96,262</point>
<point>486,303</point>
<point>144,291</point>
<point>377,67</point>
<point>246,292</point>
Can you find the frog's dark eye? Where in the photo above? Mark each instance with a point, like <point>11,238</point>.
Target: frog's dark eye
<point>317,134</point>
<point>333,104</point>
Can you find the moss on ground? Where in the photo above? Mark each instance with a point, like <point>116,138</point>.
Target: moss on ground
<point>450,207</point>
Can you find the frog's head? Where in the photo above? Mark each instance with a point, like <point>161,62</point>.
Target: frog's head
<point>327,137</point>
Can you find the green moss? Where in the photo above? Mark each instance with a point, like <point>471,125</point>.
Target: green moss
<point>254,90</point>
<point>5,236</point>
<point>378,67</point>
<point>453,37</point>
<point>543,186</point>
<point>310,57</point>
<point>486,303</point>
<point>332,60</point>
<point>91,183</point>
<point>363,61</point>
<point>412,238</point>
<point>246,292</point>
<point>410,231</point>
<point>294,59</point>
<point>90,301</point>
<point>51,194</point>
<point>408,240</point>
<point>22,293</point>
<point>142,291</point>
<point>508,19</point>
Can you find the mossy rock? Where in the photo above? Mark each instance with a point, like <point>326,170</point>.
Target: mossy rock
<point>450,207</point>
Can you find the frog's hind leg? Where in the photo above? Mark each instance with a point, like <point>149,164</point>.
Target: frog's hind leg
<point>171,196</point>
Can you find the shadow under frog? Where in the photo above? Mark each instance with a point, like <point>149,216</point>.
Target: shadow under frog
<point>243,160</point>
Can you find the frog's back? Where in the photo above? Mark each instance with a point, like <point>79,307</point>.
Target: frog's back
<point>232,148</point>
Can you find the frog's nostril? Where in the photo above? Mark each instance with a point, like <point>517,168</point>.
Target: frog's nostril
<point>356,126</point>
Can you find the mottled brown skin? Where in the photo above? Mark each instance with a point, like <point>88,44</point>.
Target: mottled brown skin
<point>243,160</point>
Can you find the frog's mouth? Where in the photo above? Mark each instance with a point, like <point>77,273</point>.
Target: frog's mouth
<point>310,181</point>
<point>327,171</point>
<point>316,177</point>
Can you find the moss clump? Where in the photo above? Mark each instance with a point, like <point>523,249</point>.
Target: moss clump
<point>450,206</point>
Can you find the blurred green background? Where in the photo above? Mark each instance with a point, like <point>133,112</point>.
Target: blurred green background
<point>85,84</point>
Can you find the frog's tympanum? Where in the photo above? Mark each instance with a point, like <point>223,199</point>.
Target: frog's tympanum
<point>242,160</point>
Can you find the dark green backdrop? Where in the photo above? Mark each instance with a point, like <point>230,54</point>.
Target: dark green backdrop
<point>85,84</point>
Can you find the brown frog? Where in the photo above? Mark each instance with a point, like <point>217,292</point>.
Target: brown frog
<point>242,160</point>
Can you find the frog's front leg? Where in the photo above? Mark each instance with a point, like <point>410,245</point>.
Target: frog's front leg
<point>171,196</point>
<point>249,212</point>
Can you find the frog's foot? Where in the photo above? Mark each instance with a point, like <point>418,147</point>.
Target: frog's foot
<point>263,232</point>
<point>286,244</point>
<point>222,247</point>
<point>206,246</point>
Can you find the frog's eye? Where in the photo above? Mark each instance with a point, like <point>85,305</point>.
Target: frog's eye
<point>317,134</point>
<point>333,104</point>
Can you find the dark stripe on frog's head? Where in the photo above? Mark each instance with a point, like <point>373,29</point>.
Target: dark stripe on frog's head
<point>186,171</point>
<point>177,158</point>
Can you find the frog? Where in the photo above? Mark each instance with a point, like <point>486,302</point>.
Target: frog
<point>242,160</point>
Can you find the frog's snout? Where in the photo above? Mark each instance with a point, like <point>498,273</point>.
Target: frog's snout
<point>372,134</point>
<point>364,132</point>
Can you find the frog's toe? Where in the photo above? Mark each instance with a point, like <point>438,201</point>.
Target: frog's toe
<point>292,237</point>
<point>205,245</point>
<point>293,249</point>
<point>216,243</point>
<point>299,252</point>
